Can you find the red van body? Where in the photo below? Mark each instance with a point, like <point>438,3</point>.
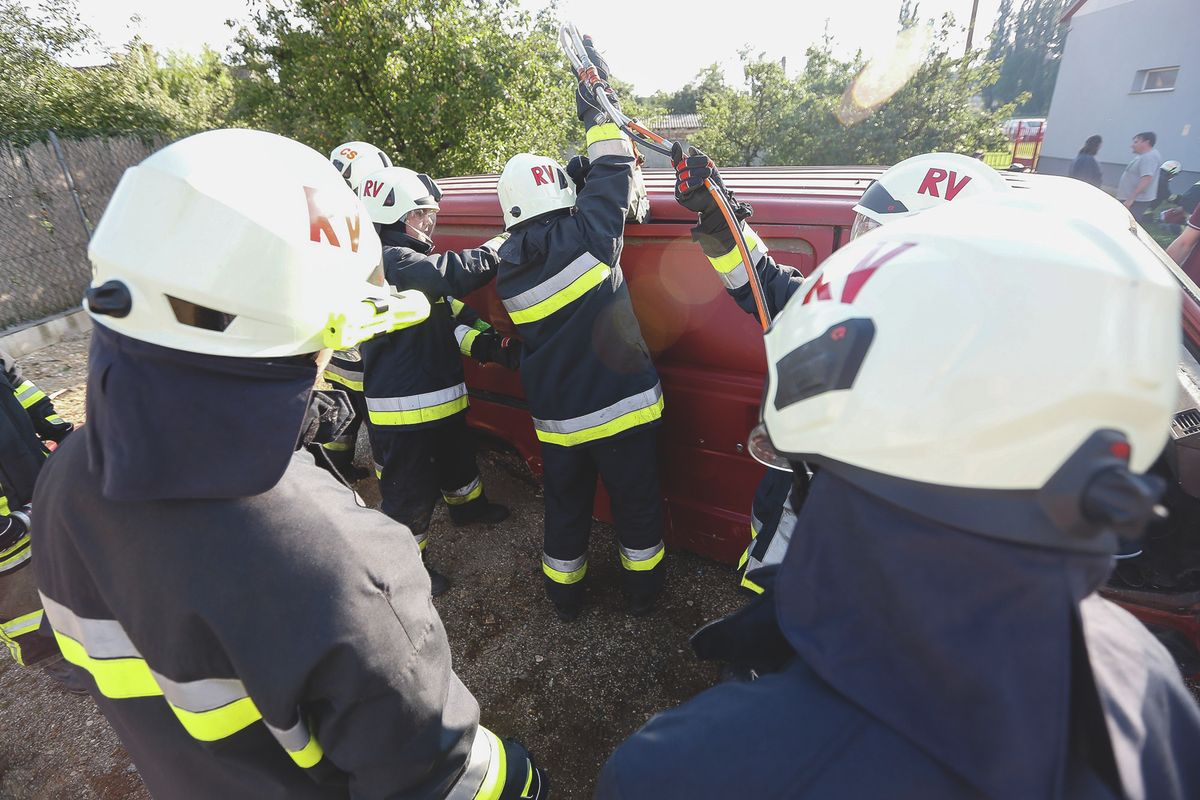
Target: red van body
<point>709,352</point>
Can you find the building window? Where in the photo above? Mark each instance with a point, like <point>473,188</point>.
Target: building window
<point>1161,79</point>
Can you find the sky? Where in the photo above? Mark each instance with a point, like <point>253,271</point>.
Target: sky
<point>651,45</point>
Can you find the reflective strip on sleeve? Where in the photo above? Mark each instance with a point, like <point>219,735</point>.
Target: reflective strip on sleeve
<point>563,288</point>
<point>465,494</point>
<point>210,709</point>
<point>4,509</point>
<point>755,527</point>
<point>12,630</point>
<point>456,306</point>
<point>336,446</point>
<point>28,394</point>
<point>351,379</point>
<point>751,585</point>
<point>622,415</point>
<point>422,540</point>
<point>730,267</point>
<point>642,560</point>
<point>565,572</point>
<point>466,338</point>
<point>495,242</point>
<point>486,770</point>
<point>417,408</point>
<point>299,743</point>
<point>607,140</point>
<point>16,555</point>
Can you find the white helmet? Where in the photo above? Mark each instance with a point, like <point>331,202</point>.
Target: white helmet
<point>196,254</point>
<point>946,351</point>
<point>357,160</point>
<point>391,193</point>
<point>921,183</point>
<point>531,186</point>
<point>1172,167</point>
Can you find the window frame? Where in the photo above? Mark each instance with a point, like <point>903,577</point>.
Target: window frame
<point>1142,77</point>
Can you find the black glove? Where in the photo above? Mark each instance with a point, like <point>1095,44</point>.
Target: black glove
<point>691,171</point>
<point>578,169</point>
<point>490,347</point>
<point>55,430</point>
<point>521,771</point>
<point>587,108</point>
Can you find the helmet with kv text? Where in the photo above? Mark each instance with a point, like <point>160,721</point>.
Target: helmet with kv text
<point>357,160</point>
<point>531,186</point>
<point>973,350</point>
<point>920,183</point>
<point>1172,167</point>
<point>194,253</point>
<point>391,193</point>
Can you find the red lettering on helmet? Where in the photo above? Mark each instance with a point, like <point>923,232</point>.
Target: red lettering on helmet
<point>540,178</point>
<point>319,222</point>
<point>866,268</point>
<point>820,291</point>
<point>932,178</point>
<point>372,188</point>
<point>953,188</point>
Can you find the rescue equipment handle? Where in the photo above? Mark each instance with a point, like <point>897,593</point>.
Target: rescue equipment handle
<point>572,44</point>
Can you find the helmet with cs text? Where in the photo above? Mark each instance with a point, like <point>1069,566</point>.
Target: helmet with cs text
<point>356,160</point>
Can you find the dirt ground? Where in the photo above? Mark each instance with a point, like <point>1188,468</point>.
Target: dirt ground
<point>570,692</point>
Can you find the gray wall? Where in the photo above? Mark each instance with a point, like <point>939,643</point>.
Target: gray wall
<point>1108,42</point>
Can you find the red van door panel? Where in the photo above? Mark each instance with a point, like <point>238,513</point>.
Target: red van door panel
<point>709,355</point>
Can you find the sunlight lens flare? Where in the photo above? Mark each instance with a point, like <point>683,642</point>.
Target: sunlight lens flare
<point>884,75</point>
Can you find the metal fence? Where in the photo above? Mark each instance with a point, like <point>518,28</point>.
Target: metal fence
<point>52,193</point>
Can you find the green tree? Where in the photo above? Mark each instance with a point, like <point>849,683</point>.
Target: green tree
<point>821,116</point>
<point>445,86</point>
<point>1027,45</point>
<point>686,100</point>
<point>138,91</point>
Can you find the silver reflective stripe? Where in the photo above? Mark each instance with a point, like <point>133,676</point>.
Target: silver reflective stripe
<point>350,375</point>
<point>484,758</point>
<point>417,401</point>
<point>460,331</point>
<point>350,354</point>
<point>777,547</point>
<point>23,625</point>
<point>559,565</point>
<point>642,555</point>
<point>755,524</point>
<point>100,638</point>
<point>294,738</point>
<point>553,285</point>
<point>620,408</point>
<point>609,147</point>
<point>736,278</point>
<point>202,695</point>
<point>465,490</point>
<point>27,393</point>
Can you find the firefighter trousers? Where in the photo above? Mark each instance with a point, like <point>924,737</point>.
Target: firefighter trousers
<point>23,630</point>
<point>417,466</point>
<point>628,465</point>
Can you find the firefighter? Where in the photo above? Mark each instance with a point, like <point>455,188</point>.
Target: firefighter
<point>354,160</point>
<point>413,379</point>
<point>910,187</point>
<point>592,389</point>
<point>252,632</point>
<point>980,446</point>
<point>27,421</point>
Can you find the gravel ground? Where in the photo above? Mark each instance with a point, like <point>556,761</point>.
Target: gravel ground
<point>570,692</point>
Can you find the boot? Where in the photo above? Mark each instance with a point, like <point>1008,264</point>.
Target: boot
<point>438,583</point>
<point>67,676</point>
<point>480,512</point>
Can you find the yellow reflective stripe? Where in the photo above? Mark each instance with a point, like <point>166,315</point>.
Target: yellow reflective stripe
<point>456,306</point>
<point>4,510</point>
<point>217,723</point>
<point>336,447</point>
<point>309,755</point>
<point>751,585</point>
<point>559,300</point>
<point>26,623</point>
<point>466,338</point>
<point>349,383</point>
<point>493,780</point>
<point>419,415</point>
<point>599,133</point>
<point>638,561</point>
<point>564,572</point>
<point>614,426</point>
<point>27,394</point>
<point>117,678</point>
<point>481,325</point>
<point>528,779</point>
<point>731,260</point>
<point>464,495</point>
<point>16,555</point>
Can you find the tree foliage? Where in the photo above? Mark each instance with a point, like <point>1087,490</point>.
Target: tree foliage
<point>138,91</point>
<point>445,86</point>
<point>820,117</point>
<point>1027,44</point>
